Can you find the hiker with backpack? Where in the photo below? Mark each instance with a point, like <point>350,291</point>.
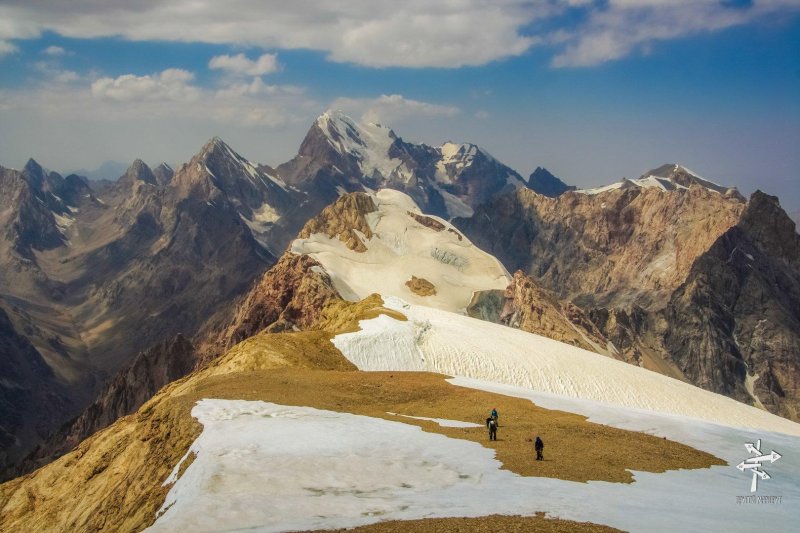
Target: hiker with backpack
<point>495,416</point>
<point>539,446</point>
<point>491,423</point>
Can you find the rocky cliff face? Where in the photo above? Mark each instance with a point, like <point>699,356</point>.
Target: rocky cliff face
<point>290,296</point>
<point>688,280</point>
<point>734,326</point>
<point>604,249</point>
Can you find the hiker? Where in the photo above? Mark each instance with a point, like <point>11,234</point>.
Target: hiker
<point>491,423</point>
<point>494,416</point>
<point>539,448</point>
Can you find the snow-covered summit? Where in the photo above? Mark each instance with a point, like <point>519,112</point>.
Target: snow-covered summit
<point>405,243</point>
<point>369,143</point>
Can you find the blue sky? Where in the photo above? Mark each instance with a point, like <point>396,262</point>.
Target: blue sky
<point>592,90</point>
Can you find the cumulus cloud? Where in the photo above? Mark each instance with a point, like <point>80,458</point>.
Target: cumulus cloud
<point>241,65</point>
<point>172,84</point>
<point>54,51</point>
<point>257,87</point>
<point>386,109</point>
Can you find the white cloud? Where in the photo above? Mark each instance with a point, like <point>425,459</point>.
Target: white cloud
<point>378,33</point>
<point>241,65</point>
<point>257,87</point>
<point>172,84</point>
<point>170,96</point>
<point>386,33</point>
<point>623,27</point>
<point>54,51</point>
<point>386,109</point>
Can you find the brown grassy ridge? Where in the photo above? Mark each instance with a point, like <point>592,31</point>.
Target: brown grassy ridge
<point>112,481</point>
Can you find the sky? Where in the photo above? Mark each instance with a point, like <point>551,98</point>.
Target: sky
<point>593,90</point>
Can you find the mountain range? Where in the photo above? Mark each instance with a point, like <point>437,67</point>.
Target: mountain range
<point>110,291</point>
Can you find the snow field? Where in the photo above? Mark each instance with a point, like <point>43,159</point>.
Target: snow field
<point>433,340</point>
<point>265,467</point>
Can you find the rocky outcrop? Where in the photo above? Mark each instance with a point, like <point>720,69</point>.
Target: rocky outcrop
<point>345,219</point>
<point>421,286</point>
<point>527,306</point>
<point>290,296</point>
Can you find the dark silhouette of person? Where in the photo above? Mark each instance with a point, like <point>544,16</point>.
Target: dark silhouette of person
<point>539,445</point>
<point>491,423</point>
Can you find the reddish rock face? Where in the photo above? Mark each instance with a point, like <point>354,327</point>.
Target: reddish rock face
<point>694,283</point>
<point>291,295</point>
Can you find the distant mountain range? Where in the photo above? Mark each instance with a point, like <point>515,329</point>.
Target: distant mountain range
<point>111,290</point>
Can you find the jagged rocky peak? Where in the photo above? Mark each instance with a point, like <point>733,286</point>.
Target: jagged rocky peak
<point>137,172</point>
<point>547,184</point>
<point>40,178</point>
<point>163,174</point>
<point>771,227</point>
<point>219,168</point>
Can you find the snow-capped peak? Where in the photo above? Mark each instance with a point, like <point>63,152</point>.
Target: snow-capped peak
<point>369,143</point>
<point>463,152</point>
<point>669,177</point>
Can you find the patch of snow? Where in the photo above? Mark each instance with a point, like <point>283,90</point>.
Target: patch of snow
<point>266,467</point>
<point>402,247</point>
<point>263,219</point>
<point>63,222</point>
<point>456,207</point>
<point>749,384</point>
<point>598,190</point>
<point>438,341</point>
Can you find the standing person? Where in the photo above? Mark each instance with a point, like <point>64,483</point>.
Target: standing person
<point>494,416</point>
<point>492,424</point>
<point>539,445</point>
